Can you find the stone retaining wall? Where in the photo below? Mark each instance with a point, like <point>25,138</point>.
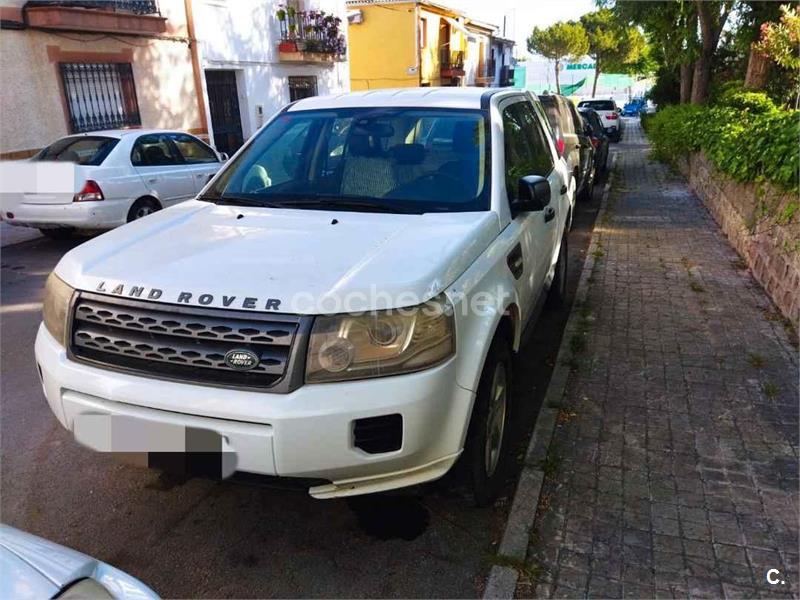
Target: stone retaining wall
<point>746,213</point>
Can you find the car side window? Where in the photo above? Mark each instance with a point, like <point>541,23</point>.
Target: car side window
<point>564,117</point>
<point>526,154</point>
<point>155,150</point>
<point>576,118</point>
<point>537,138</point>
<point>193,150</point>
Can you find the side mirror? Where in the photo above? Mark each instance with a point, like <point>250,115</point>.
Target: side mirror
<point>533,194</point>
<point>619,110</point>
<point>223,156</point>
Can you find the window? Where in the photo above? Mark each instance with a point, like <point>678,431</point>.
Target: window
<point>576,118</point>
<point>193,150</point>
<point>90,151</point>
<point>155,150</point>
<point>598,104</point>
<point>302,87</point>
<point>527,152</point>
<point>423,32</point>
<point>99,96</point>
<point>394,159</point>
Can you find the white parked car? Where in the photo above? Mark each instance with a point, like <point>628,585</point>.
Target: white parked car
<point>119,176</point>
<point>341,303</point>
<point>609,115</point>
<point>34,568</point>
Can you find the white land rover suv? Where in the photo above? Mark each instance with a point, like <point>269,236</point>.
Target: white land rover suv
<point>341,302</point>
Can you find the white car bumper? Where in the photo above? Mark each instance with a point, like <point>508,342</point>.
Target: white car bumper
<point>104,214</point>
<point>306,433</point>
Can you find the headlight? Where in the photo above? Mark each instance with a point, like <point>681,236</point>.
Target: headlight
<point>55,307</point>
<point>381,343</point>
<point>86,589</point>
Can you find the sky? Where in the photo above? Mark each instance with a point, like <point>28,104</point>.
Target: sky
<point>523,15</point>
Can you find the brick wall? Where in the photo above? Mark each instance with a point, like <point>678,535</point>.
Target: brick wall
<point>746,213</point>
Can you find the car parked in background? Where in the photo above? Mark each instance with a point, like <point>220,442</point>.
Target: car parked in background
<point>34,568</point>
<point>572,143</point>
<point>609,115</point>
<point>119,176</point>
<point>598,139</point>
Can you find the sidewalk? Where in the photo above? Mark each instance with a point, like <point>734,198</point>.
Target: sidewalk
<point>673,471</point>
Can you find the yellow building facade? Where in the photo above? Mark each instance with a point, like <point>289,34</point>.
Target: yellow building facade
<point>407,44</point>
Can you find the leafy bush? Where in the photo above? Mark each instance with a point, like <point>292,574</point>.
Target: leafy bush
<point>752,102</point>
<point>744,135</point>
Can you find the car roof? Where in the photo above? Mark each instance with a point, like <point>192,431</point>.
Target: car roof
<point>429,97</point>
<point>119,133</point>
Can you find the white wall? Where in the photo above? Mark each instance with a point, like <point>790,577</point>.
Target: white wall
<point>243,35</point>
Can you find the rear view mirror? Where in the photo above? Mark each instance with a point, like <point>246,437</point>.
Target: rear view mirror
<point>533,194</point>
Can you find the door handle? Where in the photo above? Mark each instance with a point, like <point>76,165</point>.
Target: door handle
<point>563,189</point>
<point>549,214</point>
<point>514,261</point>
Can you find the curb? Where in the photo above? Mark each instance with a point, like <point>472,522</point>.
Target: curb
<point>502,580</point>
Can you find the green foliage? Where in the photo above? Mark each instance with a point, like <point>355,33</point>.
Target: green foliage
<point>614,45</point>
<point>781,41</point>
<point>749,139</point>
<point>559,41</point>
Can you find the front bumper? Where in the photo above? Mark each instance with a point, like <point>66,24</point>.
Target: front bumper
<point>104,214</point>
<point>307,433</point>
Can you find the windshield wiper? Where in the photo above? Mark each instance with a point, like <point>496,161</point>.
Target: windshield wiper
<point>240,201</point>
<point>355,203</point>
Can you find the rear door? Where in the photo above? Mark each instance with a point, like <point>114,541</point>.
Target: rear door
<point>528,153</point>
<point>159,163</point>
<point>572,147</point>
<point>199,159</point>
<point>584,143</point>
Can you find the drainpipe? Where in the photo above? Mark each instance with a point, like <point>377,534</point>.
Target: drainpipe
<point>197,71</point>
<point>417,41</point>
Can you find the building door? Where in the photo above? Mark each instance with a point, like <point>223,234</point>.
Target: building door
<point>223,101</point>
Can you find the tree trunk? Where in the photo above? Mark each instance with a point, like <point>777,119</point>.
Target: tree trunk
<point>710,28</point>
<point>596,76</point>
<point>757,70</point>
<point>686,82</point>
<point>558,85</point>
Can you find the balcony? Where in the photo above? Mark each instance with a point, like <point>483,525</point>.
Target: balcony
<point>451,64</point>
<point>310,37</point>
<point>127,17</point>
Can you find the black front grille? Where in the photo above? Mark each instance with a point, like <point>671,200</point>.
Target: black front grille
<point>375,435</point>
<point>185,343</point>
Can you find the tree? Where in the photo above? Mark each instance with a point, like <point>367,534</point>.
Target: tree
<point>613,45</point>
<point>559,41</point>
<point>671,28</point>
<point>781,42</point>
<point>711,17</point>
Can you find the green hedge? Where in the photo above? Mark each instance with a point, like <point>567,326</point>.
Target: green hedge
<point>745,135</point>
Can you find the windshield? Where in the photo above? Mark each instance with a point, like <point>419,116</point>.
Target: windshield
<point>381,159</point>
<point>598,104</point>
<point>82,150</point>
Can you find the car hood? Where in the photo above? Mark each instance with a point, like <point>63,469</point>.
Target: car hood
<point>33,567</point>
<point>298,261</point>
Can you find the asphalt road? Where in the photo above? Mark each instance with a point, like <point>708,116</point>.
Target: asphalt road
<point>198,538</point>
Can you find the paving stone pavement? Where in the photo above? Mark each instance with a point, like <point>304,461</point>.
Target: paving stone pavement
<point>673,471</point>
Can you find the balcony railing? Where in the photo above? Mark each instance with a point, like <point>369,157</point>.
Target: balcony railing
<point>450,61</point>
<point>310,36</point>
<point>137,7</point>
<point>129,17</point>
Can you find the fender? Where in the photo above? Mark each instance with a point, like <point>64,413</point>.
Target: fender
<point>481,297</point>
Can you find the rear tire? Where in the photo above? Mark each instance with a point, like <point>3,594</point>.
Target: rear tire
<point>142,207</point>
<point>58,233</point>
<point>557,294</point>
<point>488,448</point>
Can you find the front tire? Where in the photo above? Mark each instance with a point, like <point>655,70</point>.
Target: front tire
<point>487,451</point>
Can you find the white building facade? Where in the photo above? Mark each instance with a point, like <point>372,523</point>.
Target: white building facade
<point>256,56</point>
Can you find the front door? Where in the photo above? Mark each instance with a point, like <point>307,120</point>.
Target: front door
<point>223,101</point>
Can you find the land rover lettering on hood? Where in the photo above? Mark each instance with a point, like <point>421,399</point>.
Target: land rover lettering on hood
<point>341,302</point>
